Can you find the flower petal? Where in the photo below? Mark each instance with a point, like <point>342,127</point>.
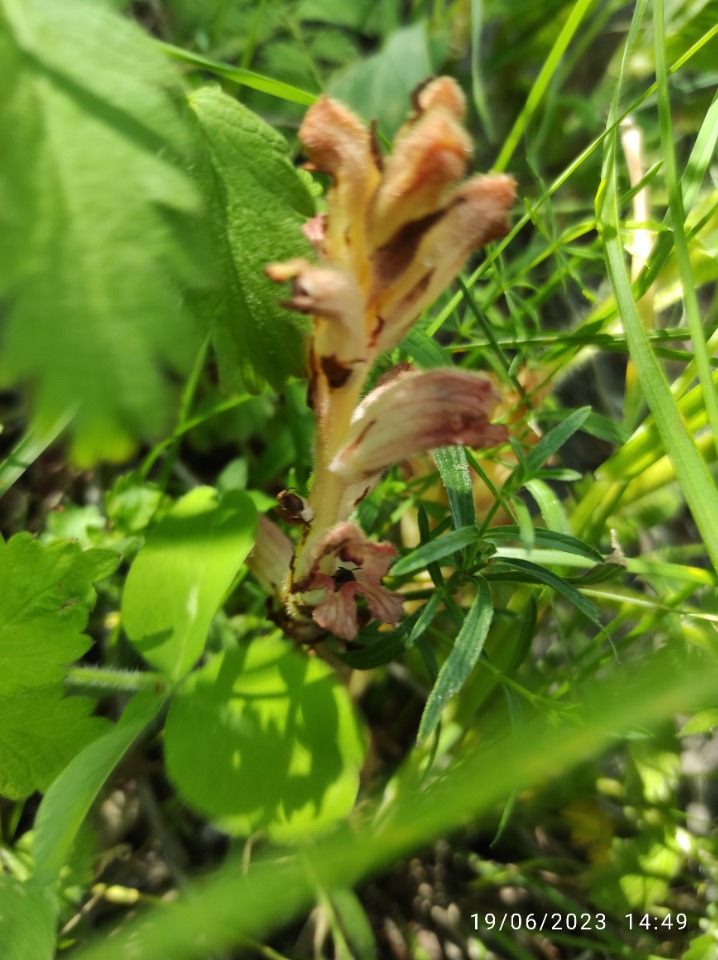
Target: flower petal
<point>338,143</point>
<point>425,165</point>
<point>332,296</point>
<point>419,262</point>
<point>383,604</point>
<point>338,612</point>
<point>418,411</point>
<point>271,557</point>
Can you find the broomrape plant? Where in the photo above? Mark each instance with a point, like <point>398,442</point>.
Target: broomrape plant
<point>396,232</point>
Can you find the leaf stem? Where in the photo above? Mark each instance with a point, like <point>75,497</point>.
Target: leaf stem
<point>117,680</point>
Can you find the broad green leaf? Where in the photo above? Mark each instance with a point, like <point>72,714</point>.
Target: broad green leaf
<point>380,86</point>
<point>243,903</point>
<point>99,221</point>
<point>705,721</point>
<point>67,802</point>
<point>27,921</point>
<point>181,576</point>
<point>46,596</point>
<point>435,550</point>
<point>265,738</point>
<point>461,661</point>
<point>365,16</point>
<point>258,203</point>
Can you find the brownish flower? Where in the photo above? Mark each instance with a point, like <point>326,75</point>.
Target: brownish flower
<point>396,232</point>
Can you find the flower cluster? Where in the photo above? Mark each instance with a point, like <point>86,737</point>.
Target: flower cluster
<point>396,232</point>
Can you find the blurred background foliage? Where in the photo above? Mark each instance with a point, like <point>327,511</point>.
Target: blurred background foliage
<point>628,829</point>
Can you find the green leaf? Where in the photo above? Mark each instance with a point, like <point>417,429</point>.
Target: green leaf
<point>46,597</point>
<point>355,923</point>
<point>264,738</point>
<point>554,440</point>
<point>248,78</point>
<point>181,576</point>
<point>67,802</point>
<point>461,661</point>
<point>705,721</point>
<point>384,647</point>
<point>27,921</point>
<point>435,550</point>
<point>548,538</point>
<point>259,203</point>
<point>524,635</point>
<point>453,469</point>
<point>99,221</point>
<point>533,573</point>
<point>242,902</point>
<point>380,86</point>
<point>697,485</point>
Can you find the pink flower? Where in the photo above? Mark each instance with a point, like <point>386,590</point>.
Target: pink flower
<point>346,566</point>
<point>417,411</point>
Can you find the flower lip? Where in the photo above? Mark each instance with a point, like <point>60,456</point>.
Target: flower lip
<point>346,566</point>
<point>417,411</point>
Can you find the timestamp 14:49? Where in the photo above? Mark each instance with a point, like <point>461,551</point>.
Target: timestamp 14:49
<point>645,921</point>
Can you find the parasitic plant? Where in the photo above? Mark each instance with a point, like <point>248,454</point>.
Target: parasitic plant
<point>396,232</point>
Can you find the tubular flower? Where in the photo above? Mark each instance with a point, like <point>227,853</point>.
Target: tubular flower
<point>396,232</point>
<point>414,412</point>
<point>357,566</point>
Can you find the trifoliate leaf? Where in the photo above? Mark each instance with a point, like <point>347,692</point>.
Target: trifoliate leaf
<point>97,220</point>
<point>265,738</point>
<point>45,599</point>
<point>258,203</point>
<point>182,574</point>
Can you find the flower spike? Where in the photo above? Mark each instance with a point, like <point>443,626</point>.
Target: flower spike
<point>395,234</point>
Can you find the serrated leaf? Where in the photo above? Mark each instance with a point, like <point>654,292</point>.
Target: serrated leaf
<point>259,203</point>
<point>98,221</point>
<point>264,738</point>
<point>457,667</point>
<point>435,550</point>
<point>46,596</point>
<point>67,802</point>
<point>182,574</point>
<point>27,921</point>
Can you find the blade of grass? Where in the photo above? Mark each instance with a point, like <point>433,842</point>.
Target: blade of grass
<point>607,310</point>
<point>29,447</point>
<point>675,204</point>
<point>691,470</point>
<point>248,78</point>
<point>537,91</point>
